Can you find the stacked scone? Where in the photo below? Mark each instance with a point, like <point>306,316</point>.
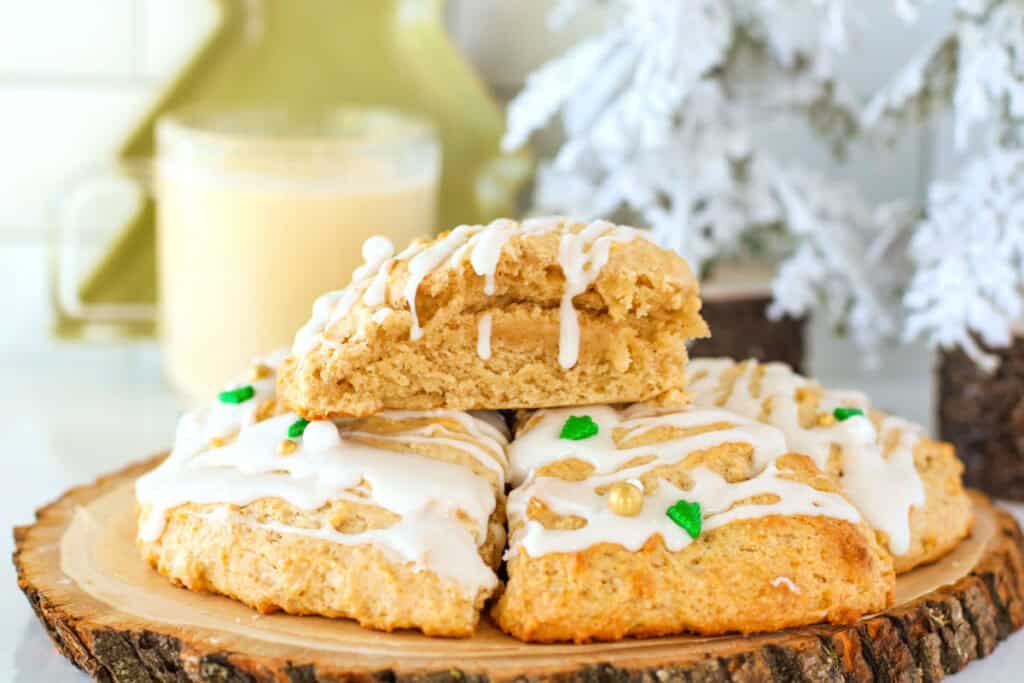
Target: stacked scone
<point>645,496</point>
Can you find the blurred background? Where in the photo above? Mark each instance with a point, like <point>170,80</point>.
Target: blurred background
<point>76,78</point>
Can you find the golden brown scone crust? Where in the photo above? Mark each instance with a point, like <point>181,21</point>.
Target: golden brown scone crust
<point>272,572</point>
<point>723,582</point>
<point>759,574</point>
<point>634,320</point>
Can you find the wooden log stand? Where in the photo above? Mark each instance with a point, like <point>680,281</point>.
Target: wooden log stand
<point>736,301</point>
<point>982,414</point>
<point>118,620</point>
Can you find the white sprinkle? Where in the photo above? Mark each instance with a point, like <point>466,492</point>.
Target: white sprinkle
<point>377,248</point>
<point>320,436</point>
<point>787,582</point>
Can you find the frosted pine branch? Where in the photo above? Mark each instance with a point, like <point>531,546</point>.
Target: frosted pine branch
<point>990,78</point>
<point>661,113</point>
<point>924,87</point>
<point>966,254</point>
<point>977,68</point>
<point>833,262</point>
<point>969,258</point>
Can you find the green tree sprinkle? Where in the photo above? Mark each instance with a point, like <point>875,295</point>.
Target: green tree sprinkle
<point>846,413</point>
<point>239,395</point>
<point>296,429</point>
<point>578,427</point>
<point>687,515</point>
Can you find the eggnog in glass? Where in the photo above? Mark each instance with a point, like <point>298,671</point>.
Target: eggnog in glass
<point>261,211</point>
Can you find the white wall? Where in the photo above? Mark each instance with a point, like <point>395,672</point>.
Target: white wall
<point>73,75</point>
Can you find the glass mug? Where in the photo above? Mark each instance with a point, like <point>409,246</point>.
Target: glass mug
<point>258,212</point>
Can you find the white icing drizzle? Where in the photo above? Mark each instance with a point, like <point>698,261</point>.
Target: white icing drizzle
<point>441,436</point>
<point>582,255</point>
<point>424,262</point>
<point>884,487</point>
<point>787,582</point>
<point>219,420</point>
<point>487,251</point>
<point>485,425</point>
<point>541,445</point>
<point>483,336</point>
<point>378,287</point>
<point>495,421</point>
<point>370,277</point>
<point>335,461</point>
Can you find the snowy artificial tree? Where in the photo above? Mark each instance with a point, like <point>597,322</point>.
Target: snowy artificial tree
<point>664,116</point>
<point>968,251</point>
<point>966,289</point>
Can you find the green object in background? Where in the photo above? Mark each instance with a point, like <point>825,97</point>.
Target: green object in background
<point>317,54</point>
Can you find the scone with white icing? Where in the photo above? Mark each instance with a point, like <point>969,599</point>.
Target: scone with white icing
<point>395,520</point>
<point>645,522</point>
<point>546,312</point>
<point>908,487</point>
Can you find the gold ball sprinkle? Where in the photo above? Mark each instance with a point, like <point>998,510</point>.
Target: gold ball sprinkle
<point>216,442</point>
<point>286,447</point>
<point>259,371</point>
<point>625,499</point>
<point>826,420</point>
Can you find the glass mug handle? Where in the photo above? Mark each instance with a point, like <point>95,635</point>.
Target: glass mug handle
<point>103,271</point>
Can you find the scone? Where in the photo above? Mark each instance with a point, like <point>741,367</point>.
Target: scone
<point>908,487</point>
<point>546,312</point>
<point>647,522</point>
<point>395,520</point>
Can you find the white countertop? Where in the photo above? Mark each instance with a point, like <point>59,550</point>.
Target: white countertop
<point>77,411</point>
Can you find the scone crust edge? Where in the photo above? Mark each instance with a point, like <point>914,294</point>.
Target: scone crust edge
<point>301,575</point>
<point>607,593</point>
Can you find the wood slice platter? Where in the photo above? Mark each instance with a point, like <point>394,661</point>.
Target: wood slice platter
<point>118,620</point>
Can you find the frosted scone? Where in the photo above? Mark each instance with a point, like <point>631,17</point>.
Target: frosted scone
<point>908,487</point>
<point>395,520</point>
<point>647,522</point>
<point>546,312</point>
